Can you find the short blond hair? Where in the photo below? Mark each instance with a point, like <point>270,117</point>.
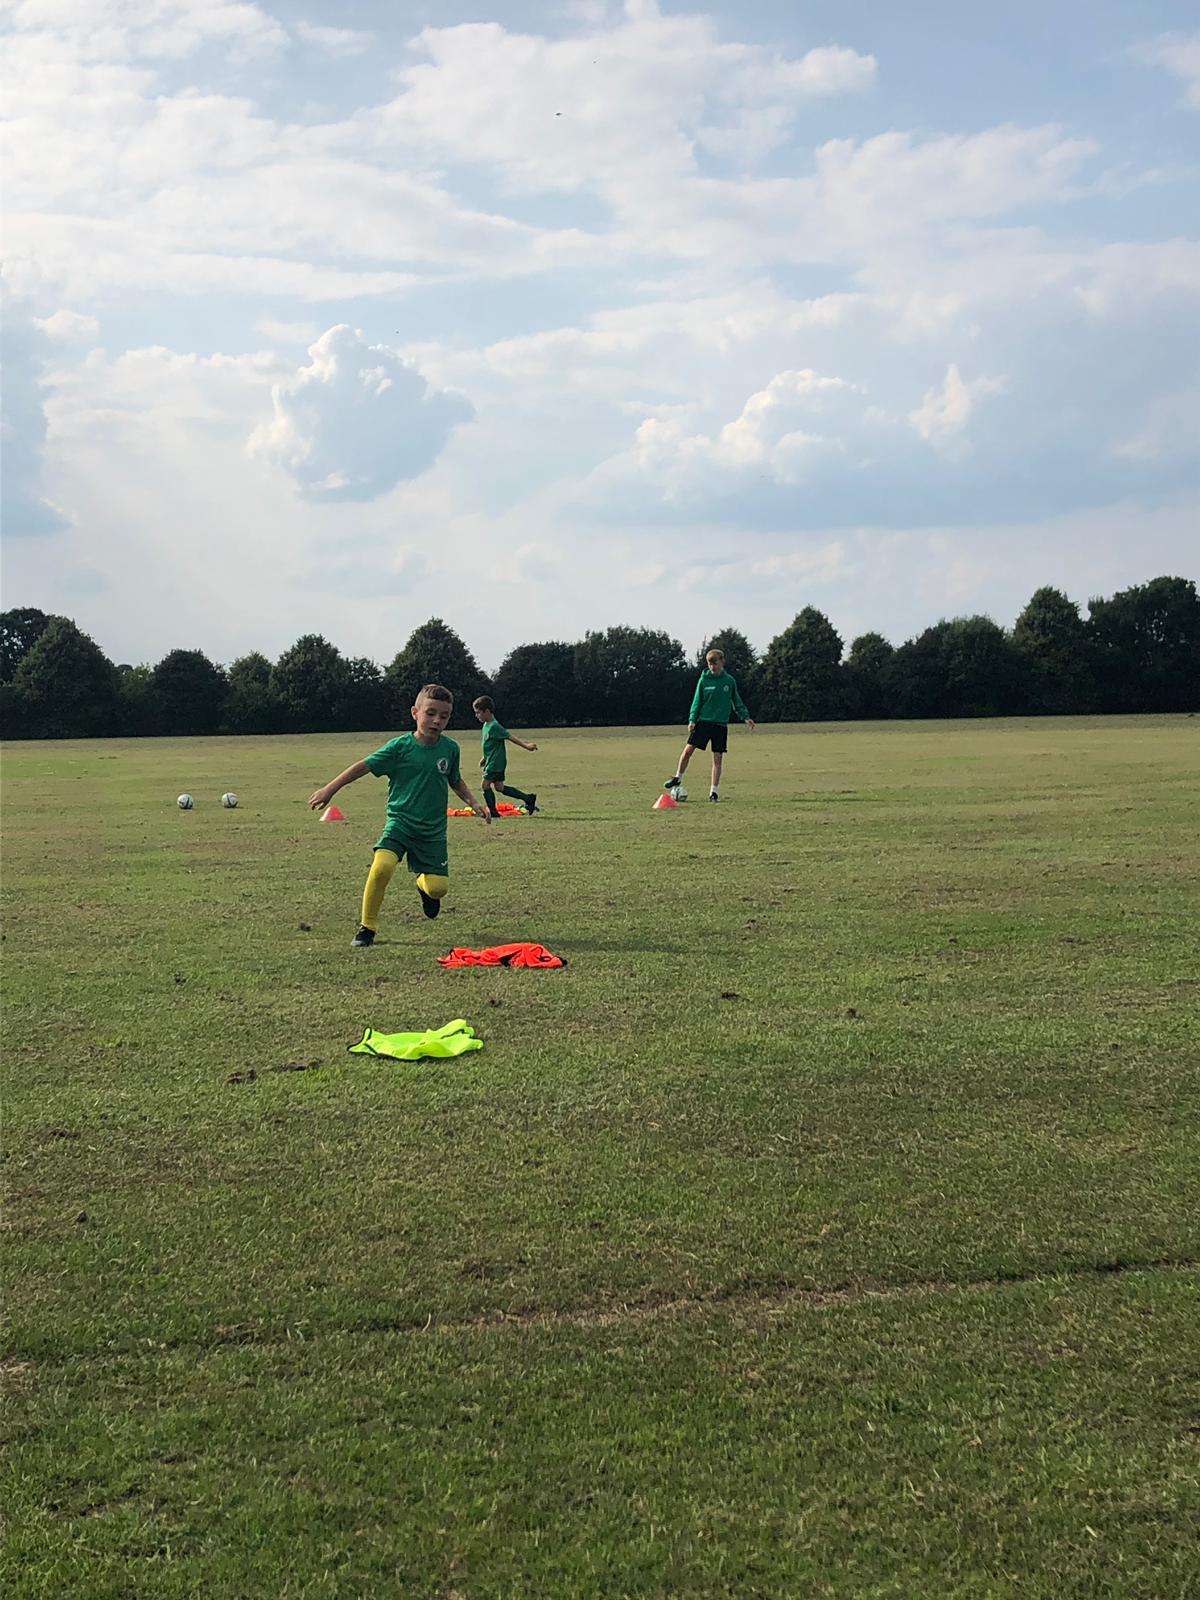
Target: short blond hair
<point>714,655</point>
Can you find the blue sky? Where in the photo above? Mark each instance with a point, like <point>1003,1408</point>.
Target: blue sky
<point>545,317</point>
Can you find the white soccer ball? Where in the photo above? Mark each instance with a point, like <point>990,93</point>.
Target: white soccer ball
<point>681,794</point>
<point>229,801</point>
<point>185,802</point>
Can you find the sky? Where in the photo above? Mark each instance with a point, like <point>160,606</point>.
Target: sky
<point>548,317</point>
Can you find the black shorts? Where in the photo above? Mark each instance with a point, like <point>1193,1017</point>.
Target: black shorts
<point>700,733</point>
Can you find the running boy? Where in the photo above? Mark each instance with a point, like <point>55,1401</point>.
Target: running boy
<point>715,699</point>
<point>419,768</point>
<point>494,759</point>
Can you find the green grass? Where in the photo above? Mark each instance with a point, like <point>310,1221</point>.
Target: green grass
<point>828,1227</point>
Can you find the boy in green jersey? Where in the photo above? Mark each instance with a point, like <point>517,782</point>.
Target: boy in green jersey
<point>494,759</point>
<point>419,767</point>
<point>715,700</point>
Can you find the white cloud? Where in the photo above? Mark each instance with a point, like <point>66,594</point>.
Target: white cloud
<point>114,184</point>
<point>80,257</point>
<point>613,108</point>
<point>781,434</point>
<point>771,427</point>
<point>125,29</point>
<point>115,181</point>
<point>356,421</point>
<point>1168,430</point>
<point>335,41</point>
<point>1179,53</point>
<point>217,394</point>
<point>283,332</point>
<point>70,327</point>
<point>26,509</point>
<point>944,413</point>
<point>1121,281</point>
<point>825,564</point>
<point>151,443</point>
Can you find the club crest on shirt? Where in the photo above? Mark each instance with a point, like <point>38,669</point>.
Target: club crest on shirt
<point>443,765</point>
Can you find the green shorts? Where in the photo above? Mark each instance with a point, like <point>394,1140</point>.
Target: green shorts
<point>421,857</point>
<point>494,777</point>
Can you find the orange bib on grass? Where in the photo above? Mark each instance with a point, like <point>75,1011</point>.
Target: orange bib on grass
<point>503,955</point>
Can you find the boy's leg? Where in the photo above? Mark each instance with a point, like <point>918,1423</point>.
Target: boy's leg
<point>432,887</point>
<point>383,866</point>
<point>685,755</point>
<point>718,762</point>
<point>431,868</point>
<point>489,795</point>
<point>527,800</point>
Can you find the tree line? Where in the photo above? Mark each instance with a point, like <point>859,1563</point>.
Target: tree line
<point>1138,651</point>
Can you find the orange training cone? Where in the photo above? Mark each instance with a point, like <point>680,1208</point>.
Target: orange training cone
<point>665,802</point>
<point>332,814</point>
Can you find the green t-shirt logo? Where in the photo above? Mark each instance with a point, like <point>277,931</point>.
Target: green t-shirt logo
<point>443,765</point>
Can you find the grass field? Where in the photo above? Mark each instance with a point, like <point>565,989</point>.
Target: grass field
<point>829,1227</point>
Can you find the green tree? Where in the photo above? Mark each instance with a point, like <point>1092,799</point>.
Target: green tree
<point>434,654</point>
<point>799,676</point>
<point>140,710</point>
<point>961,667</point>
<point>14,720</point>
<point>191,691</point>
<point>535,686</point>
<point>1146,647</point>
<point>631,675</point>
<point>914,677</point>
<point>20,630</point>
<point>66,687</point>
<point>865,675</point>
<point>366,695</point>
<point>983,671</point>
<point>309,683</point>
<point>1052,649</point>
<point>250,704</point>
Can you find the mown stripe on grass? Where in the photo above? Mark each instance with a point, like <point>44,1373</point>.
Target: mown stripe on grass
<point>748,1296</point>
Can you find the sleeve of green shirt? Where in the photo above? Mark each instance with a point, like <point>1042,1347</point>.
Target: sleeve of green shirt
<point>694,713</point>
<point>738,704</point>
<point>454,770</point>
<point>381,763</point>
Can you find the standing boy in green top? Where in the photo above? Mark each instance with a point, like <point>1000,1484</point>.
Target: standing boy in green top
<point>715,700</point>
<point>494,759</point>
<point>419,767</point>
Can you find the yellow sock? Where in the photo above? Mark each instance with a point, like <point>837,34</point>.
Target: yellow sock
<point>383,866</point>
<point>433,885</point>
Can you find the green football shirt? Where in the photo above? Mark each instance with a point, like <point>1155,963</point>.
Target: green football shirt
<point>716,698</point>
<point>495,756</point>
<point>418,776</point>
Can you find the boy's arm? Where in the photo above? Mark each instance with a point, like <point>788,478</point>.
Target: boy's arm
<point>739,705</point>
<point>464,794</point>
<point>695,711</point>
<point>321,798</point>
<point>512,738</point>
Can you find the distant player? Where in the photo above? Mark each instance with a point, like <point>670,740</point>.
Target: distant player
<point>494,759</point>
<point>419,767</point>
<point>715,700</point>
